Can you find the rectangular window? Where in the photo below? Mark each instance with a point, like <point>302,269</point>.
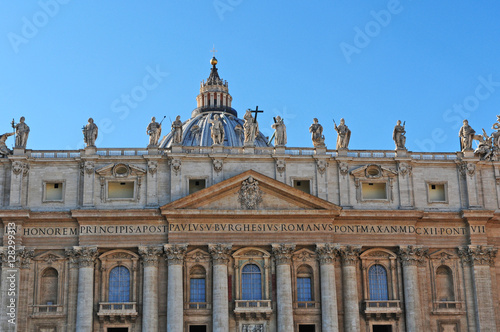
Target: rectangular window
<point>303,185</point>
<point>197,290</point>
<point>436,192</point>
<point>373,190</point>
<point>53,191</point>
<point>196,185</point>
<point>304,293</point>
<point>121,190</point>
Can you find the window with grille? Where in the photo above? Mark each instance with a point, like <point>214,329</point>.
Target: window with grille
<point>304,289</point>
<point>377,277</point>
<point>197,290</point>
<point>119,284</point>
<point>251,283</point>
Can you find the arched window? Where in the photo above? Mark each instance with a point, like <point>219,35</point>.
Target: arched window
<point>377,279</point>
<point>444,284</point>
<point>304,284</point>
<point>49,286</point>
<point>119,284</point>
<point>251,283</point>
<point>197,285</point>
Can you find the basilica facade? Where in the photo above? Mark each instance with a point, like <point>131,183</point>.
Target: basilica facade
<point>213,228</point>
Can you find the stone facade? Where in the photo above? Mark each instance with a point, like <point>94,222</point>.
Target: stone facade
<point>223,239</point>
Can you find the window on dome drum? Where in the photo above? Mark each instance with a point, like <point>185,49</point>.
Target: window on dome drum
<point>437,192</point>
<point>121,190</point>
<point>49,286</point>
<point>373,190</point>
<point>53,191</point>
<point>303,185</point>
<point>197,328</point>
<point>119,285</point>
<point>251,282</point>
<point>304,286</point>
<point>444,284</point>
<point>377,279</point>
<point>307,328</point>
<point>196,185</point>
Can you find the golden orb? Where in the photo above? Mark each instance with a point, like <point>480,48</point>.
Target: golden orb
<point>213,61</point>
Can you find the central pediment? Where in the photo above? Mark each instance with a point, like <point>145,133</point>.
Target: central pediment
<point>251,193</point>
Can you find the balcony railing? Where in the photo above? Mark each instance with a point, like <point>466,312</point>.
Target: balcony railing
<point>47,309</point>
<point>252,304</point>
<point>112,308</point>
<point>447,305</point>
<point>197,305</point>
<point>390,309</point>
<point>306,304</point>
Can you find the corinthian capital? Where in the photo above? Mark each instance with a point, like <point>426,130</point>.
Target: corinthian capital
<point>349,255</point>
<point>149,255</point>
<point>412,255</point>
<point>25,257</point>
<point>283,253</point>
<point>479,255</point>
<point>220,252</point>
<point>327,253</point>
<point>175,253</point>
<point>86,255</point>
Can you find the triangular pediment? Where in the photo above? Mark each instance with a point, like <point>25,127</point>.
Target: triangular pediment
<point>251,192</point>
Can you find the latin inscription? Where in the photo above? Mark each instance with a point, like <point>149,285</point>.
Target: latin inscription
<point>249,228</point>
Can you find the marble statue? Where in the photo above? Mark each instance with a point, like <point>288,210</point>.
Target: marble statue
<point>344,135</point>
<point>22,132</point>
<point>317,136</point>
<point>250,128</point>
<point>466,135</point>
<point>217,130</point>
<point>90,133</point>
<point>485,146</point>
<point>398,135</point>
<point>154,132</point>
<point>279,132</point>
<point>177,130</point>
<point>4,150</point>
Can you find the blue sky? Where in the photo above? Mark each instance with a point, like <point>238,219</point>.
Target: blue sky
<point>428,63</point>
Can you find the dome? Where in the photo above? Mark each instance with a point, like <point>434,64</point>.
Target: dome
<point>214,98</point>
<point>196,131</point>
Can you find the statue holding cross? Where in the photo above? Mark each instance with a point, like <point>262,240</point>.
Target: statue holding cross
<point>251,126</point>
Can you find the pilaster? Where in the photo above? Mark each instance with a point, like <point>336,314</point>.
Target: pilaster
<point>327,255</point>
<point>20,171</point>
<point>174,254</point>
<point>350,258</point>
<point>149,256</point>
<point>86,260</point>
<point>220,257</point>
<point>283,255</point>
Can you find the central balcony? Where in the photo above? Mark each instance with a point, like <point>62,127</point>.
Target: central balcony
<point>386,309</point>
<point>45,310</point>
<point>253,309</point>
<point>117,312</point>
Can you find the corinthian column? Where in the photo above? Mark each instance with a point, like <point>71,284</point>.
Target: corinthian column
<point>85,299</point>
<point>220,257</point>
<point>149,256</point>
<point>480,258</point>
<point>329,318</point>
<point>410,257</point>
<point>175,309</point>
<point>349,256</point>
<point>282,255</point>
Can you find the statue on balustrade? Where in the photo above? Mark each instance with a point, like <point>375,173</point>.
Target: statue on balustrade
<point>4,150</point>
<point>90,133</point>
<point>154,132</point>
<point>279,131</point>
<point>317,136</point>
<point>466,135</point>
<point>398,135</point>
<point>177,130</point>
<point>250,128</point>
<point>343,135</point>
<point>217,130</point>
<point>22,132</point>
